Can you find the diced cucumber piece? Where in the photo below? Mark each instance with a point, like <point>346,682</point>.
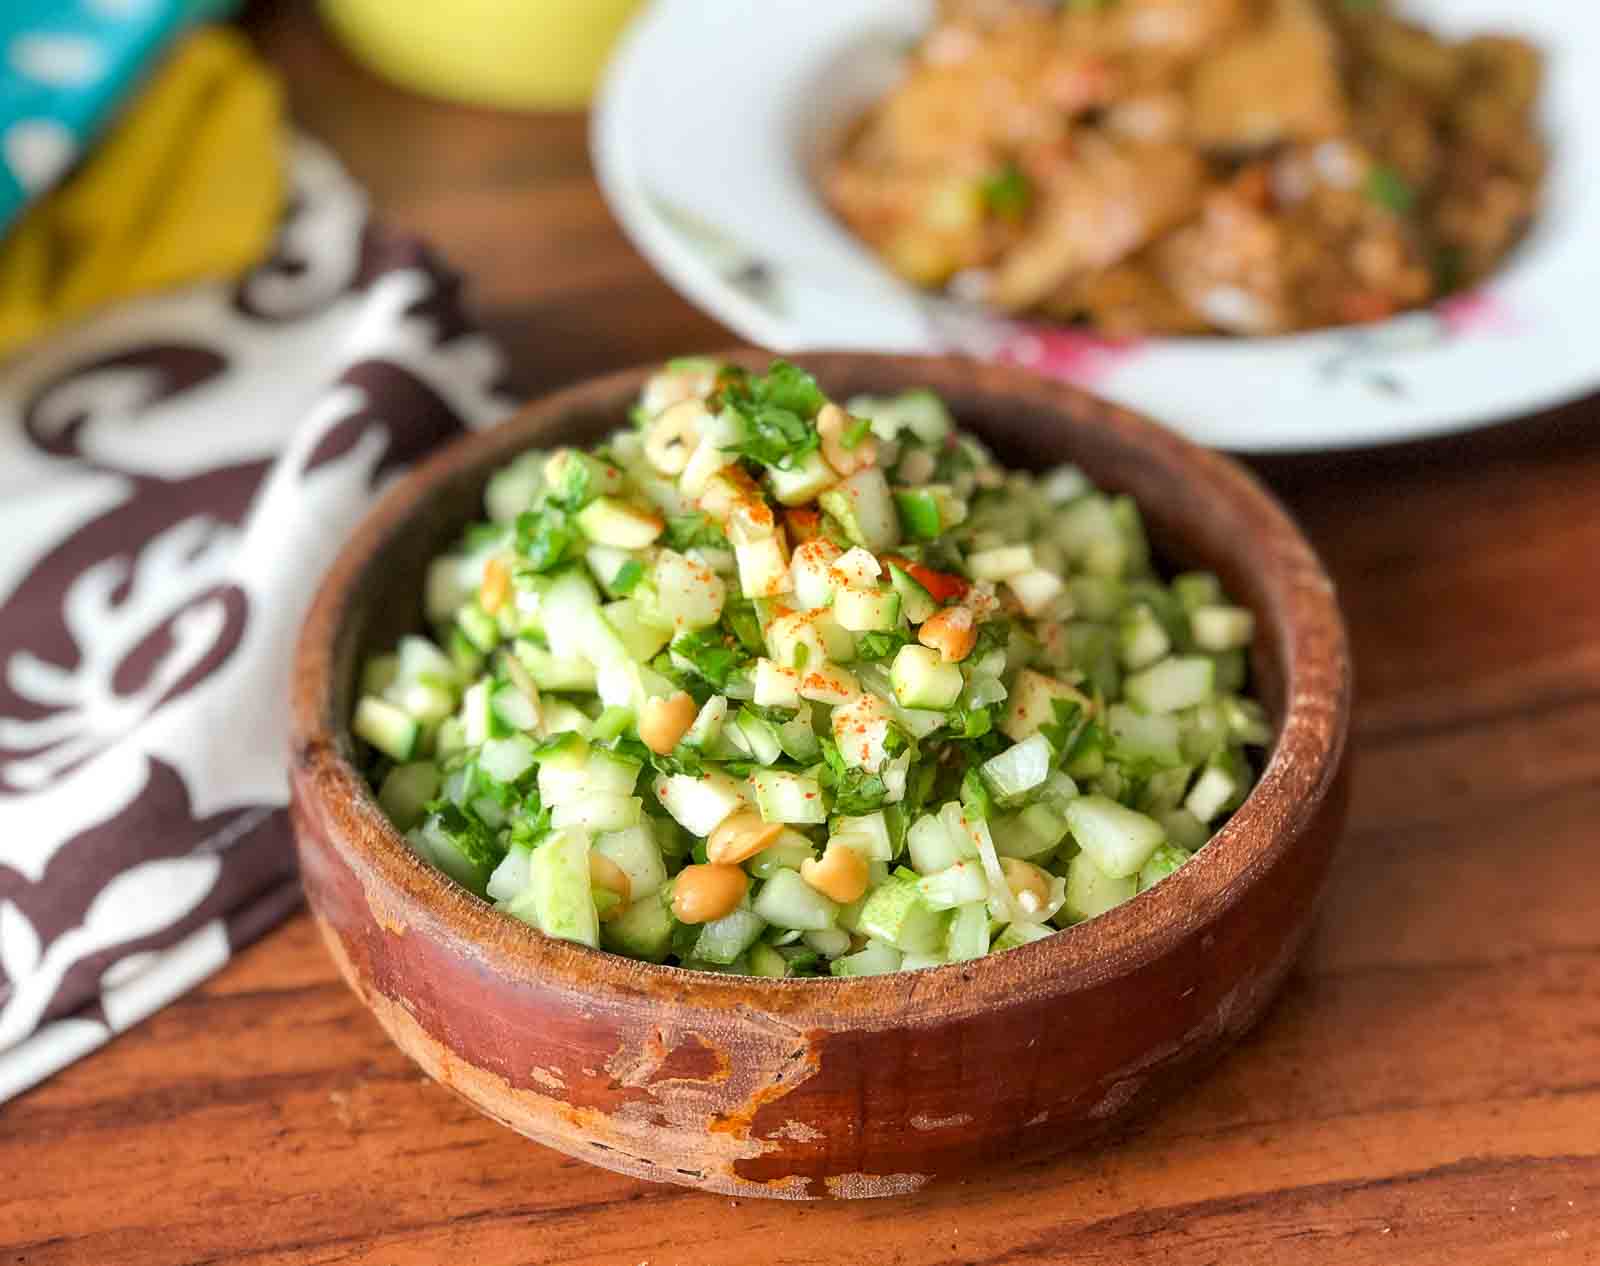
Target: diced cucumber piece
<point>864,509</point>
<point>480,628</point>
<point>1019,934</point>
<point>515,710</point>
<point>1222,628</point>
<point>635,853</point>
<point>406,791</point>
<point>642,640</point>
<point>781,796</point>
<point>507,759</point>
<point>787,901</point>
<point>1175,683</point>
<point>1002,562</point>
<point>699,803</point>
<point>379,673</point>
<point>1020,768</point>
<point>1197,589</point>
<point>1164,790</point>
<point>799,741</point>
<point>687,595</point>
<point>829,942</point>
<point>968,934</point>
<point>723,940</point>
<point>876,959</point>
<point>386,727</point>
<point>1183,829</point>
<point>919,411</point>
<point>760,735</point>
<point>617,523</point>
<point>895,913</point>
<point>1213,792</point>
<point>598,813</point>
<point>1142,739</point>
<point>934,847</point>
<point>1163,862</point>
<point>427,701</point>
<point>874,828</point>
<point>916,602</point>
<point>511,877</point>
<point>1141,638</point>
<point>763,567</point>
<point>550,672</point>
<point>1039,592</point>
<point>866,610</point>
<point>955,886</point>
<point>811,573</point>
<point>788,851</point>
<point>558,886</point>
<point>1118,839</point>
<point>766,961</point>
<point>1090,891</point>
<point>802,482</point>
<point>1232,671</point>
<point>1246,721</point>
<point>643,930</point>
<point>1034,833</point>
<point>1032,703</point>
<point>1092,537</point>
<point>420,660</point>
<point>708,723</point>
<point>776,687</point>
<point>921,678</point>
<point>861,732</point>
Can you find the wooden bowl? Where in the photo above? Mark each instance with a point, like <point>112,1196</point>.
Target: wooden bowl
<point>836,1088</point>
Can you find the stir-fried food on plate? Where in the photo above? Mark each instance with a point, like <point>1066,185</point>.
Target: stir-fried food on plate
<point>1248,167</point>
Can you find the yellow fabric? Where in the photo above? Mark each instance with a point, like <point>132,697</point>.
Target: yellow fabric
<point>189,184</point>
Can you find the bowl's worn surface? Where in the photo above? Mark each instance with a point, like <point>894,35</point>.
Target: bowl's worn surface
<point>837,1088</point>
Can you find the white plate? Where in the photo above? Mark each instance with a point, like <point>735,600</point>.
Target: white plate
<point>712,114</point>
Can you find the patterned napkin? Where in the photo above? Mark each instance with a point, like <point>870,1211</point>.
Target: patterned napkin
<point>174,478</point>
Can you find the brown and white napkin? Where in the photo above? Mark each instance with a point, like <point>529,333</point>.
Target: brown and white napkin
<point>175,476</point>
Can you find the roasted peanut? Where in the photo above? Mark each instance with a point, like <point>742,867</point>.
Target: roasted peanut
<point>832,425</point>
<point>1030,886</point>
<point>495,590</point>
<point>702,893</point>
<point>673,437</point>
<point>605,873</point>
<point>953,632</point>
<point>840,874</point>
<point>740,837</point>
<point>662,722</point>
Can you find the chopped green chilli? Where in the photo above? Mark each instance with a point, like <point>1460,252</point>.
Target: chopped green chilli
<point>776,685</point>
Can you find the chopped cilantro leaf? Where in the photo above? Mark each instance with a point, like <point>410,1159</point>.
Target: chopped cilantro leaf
<point>628,576</point>
<point>776,412</point>
<point>1007,193</point>
<point>883,644</point>
<point>1390,190</point>
<point>707,652</point>
<point>974,795</point>
<point>545,537</point>
<point>691,531</point>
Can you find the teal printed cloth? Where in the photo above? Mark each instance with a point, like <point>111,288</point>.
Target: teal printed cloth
<point>65,67</point>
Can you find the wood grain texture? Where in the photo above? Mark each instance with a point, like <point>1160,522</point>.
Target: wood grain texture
<point>1427,1090</point>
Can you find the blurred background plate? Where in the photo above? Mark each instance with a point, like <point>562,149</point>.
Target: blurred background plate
<point>709,124</point>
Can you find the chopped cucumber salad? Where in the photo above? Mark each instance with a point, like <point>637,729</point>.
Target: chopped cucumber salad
<point>771,685</point>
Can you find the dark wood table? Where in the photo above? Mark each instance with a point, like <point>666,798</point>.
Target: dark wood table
<point>1427,1090</point>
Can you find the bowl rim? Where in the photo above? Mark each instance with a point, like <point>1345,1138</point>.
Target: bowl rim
<point>1300,770</point>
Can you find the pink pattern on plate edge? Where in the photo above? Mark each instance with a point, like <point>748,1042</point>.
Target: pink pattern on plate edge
<point>1478,312</point>
<point>1074,356</point>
